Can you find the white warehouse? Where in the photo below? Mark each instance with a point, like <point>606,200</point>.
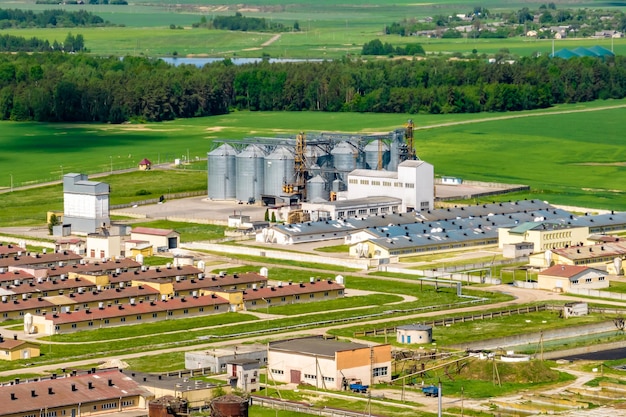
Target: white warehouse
<point>413,183</point>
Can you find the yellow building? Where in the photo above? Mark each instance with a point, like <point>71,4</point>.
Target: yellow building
<point>543,235</point>
<point>562,278</point>
<point>14,349</point>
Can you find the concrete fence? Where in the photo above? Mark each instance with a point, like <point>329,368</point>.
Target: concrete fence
<point>19,240</point>
<point>535,337</point>
<point>156,200</point>
<point>290,256</point>
<point>597,293</point>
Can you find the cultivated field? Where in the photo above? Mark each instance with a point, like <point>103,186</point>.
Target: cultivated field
<point>567,158</point>
<point>328,29</point>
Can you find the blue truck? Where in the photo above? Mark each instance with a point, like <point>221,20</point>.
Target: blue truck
<point>431,391</point>
<point>359,388</point>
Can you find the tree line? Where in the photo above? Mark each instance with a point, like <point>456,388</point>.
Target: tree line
<point>244,23</point>
<point>65,87</point>
<point>10,43</point>
<point>16,18</point>
<point>376,47</point>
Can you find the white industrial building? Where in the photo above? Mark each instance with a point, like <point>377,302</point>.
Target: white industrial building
<point>85,204</point>
<point>413,184</point>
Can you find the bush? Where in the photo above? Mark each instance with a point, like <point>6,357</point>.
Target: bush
<point>142,192</point>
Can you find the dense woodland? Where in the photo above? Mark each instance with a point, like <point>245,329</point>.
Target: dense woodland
<point>66,87</point>
<point>244,24</point>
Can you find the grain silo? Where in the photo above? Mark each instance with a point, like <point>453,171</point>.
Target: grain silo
<point>317,189</point>
<point>250,173</point>
<point>376,151</point>
<point>345,157</point>
<point>168,406</point>
<point>279,170</point>
<point>221,172</point>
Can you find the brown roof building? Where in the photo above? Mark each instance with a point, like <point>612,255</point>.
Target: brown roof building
<point>95,392</point>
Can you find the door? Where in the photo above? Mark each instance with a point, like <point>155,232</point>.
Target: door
<point>295,377</point>
<point>25,354</point>
<point>171,243</point>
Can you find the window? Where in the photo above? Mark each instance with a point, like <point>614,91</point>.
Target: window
<point>386,183</point>
<point>123,319</point>
<point>365,182</point>
<point>575,282</point>
<point>254,303</point>
<point>106,321</point>
<point>600,278</point>
<point>588,280</point>
<point>340,292</point>
<point>352,181</point>
<point>310,376</point>
<point>328,379</point>
<point>139,317</point>
<point>73,325</point>
<point>409,185</point>
<point>311,295</point>
<point>109,406</point>
<point>170,313</point>
<point>57,327</point>
<point>341,213</point>
<point>278,371</point>
<point>326,294</point>
<point>185,311</point>
<point>373,210</point>
<point>127,403</point>
<point>90,323</point>
<point>375,182</point>
<point>397,184</point>
<point>201,309</point>
<point>155,315</point>
<point>424,205</point>
<point>382,371</point>
<point>362,211</point>
<point>351,213</point>
<point>216,307</point>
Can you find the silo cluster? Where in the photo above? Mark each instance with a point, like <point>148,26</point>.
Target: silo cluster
<point>248,170</point>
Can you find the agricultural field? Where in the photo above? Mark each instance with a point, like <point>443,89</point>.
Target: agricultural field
<point>327,29</point>
<point>569,154</point>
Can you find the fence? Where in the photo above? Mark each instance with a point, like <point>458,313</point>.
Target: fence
<point>305,408</point>
<point>597,293</point>
<point>462,319</point>
<point>429,273</point>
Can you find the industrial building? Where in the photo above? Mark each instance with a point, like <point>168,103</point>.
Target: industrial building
<point>317,168</point>
<point>562,278</point>
<point>327,363</point>
<point>85,204</point>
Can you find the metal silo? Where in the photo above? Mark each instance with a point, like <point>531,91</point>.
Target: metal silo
<point>372,151</point>
<point>250,173</point>
<point>344,157</point>
<point>221,172</point>
<point>317,189</point>
<point>279,169</point>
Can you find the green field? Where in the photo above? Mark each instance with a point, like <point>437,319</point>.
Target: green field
<point>570,158</point>
<point>328,29</point>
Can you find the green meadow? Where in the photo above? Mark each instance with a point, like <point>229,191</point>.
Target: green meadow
<point>570,154</point>
<point>328,30</point>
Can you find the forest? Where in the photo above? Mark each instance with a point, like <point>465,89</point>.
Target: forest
<point>78,87</point>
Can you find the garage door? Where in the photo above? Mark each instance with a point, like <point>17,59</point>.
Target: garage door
<point>171,242</point>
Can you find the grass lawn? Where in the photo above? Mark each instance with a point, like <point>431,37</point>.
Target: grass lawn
<point>334,249</point>
<point>29,207</point>
<point>189,232</point>
<point>330,305</point>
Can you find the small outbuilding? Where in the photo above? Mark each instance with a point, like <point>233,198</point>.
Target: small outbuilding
<point>162,239</point>
<point>414,334</point>
<point>563,278</point>
<point>14,349</point>
<point>145,164</point>
<point>243,374</point>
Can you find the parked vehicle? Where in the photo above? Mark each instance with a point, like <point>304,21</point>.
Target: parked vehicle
<point>431,391</point>
<point>359,388</point>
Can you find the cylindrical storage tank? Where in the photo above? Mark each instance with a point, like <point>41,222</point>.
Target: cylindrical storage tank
<point>315,170</point>
<point>139,259</point>
<point>250,173</point>
<point>394,151</point>
<point>167,406</point>
<point>339,279</point>
<point>279,169</point>
<point>338,186</point>
<point>317,189</point>
<point>414,334</point>
<point>229,406</point>
<point>372,151</point>
<point>221,172</point>
<point>344,157</point>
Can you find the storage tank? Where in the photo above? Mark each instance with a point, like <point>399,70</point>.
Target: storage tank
<point>168,406</point>
<point>317,189</point>
<point>338,185</point>
<point>344,157</point>
<point>250,173</point>
<point>394,150</point>
<point>279,169</point>
<point>221,172</point>
<point>372,151</point>
<point>229,406</point>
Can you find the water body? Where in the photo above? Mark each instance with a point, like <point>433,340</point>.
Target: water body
<point>200,62</point>
<point>604,355</point>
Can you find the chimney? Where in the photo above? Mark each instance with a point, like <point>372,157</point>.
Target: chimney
<point>15,336</point>
<point>74,387</point>
<point>33,393</point>
<point>13,397</point>
<point>90,385</point>
<point>110,382</point>
<point>50,391</point>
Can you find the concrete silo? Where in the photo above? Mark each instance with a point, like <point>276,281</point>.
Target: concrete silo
<point>250,173</point>
<point>279,170</point>
<point>221,172</point>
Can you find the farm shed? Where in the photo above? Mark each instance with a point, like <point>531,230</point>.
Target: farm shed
<point>162,239</point>
<point>562,278</point>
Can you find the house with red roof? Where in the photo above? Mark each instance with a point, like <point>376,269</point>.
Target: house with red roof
<point>145,164</point>
<point>563,278</point>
